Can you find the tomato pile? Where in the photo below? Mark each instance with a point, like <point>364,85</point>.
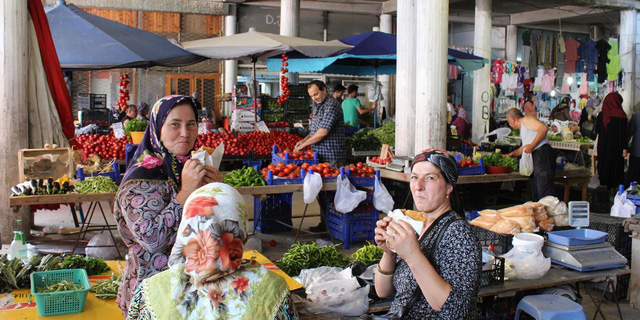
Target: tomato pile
<point>324,169</point>
<point>292,171</point>
<point>307,155</point>
<point>466,163</point>
<point>106,146</point>
<point>361,170</point>
<point>379,160</point>
<point>260,143</point>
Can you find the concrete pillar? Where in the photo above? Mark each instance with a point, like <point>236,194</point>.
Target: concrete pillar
<point>431,78</point>
<point>14,129</point>
<point>386,25</point>
<point>512,43</point>
<point>230,66</point>
<point>406,78</point>
<point>290,26</point>
<point>481,77</point>
<point>627,56</point>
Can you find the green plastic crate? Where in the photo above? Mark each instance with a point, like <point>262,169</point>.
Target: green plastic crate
<point>63,302</point>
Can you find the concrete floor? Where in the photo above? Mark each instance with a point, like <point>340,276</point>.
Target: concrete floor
<point>62,219</point>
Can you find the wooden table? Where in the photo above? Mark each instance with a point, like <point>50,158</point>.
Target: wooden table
<point>566,177</point>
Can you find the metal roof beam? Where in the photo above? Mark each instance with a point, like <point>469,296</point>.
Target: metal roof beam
<point>344,7</point>
<point>552,14</point>
<point>213,7</point>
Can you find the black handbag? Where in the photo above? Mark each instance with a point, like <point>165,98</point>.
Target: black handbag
<point>417,292</point>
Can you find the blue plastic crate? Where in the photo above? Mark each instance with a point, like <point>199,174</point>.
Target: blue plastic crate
<point>351,231</point>
<point>275,207</point>
<point>477,169</point>
<point>255,164</point>
<point>114,175</point>
<point>361,212</point>
<point>361,181</point>
<point>272,180</point>
<point>348,132</point>
<point>275,159</point>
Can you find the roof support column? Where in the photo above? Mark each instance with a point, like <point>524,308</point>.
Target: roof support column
<point>627,56</point>
<point>406,78</point>
<point>481,77</point>
<point>386,25</point>
<point>230,66</point>
<point>431,74</point>
<point>290,26</point>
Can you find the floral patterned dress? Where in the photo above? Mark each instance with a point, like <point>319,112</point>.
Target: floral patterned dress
<point>148,218</point>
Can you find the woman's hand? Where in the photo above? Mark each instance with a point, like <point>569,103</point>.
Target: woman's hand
<point>211,175</point>
<point>381,234</point>
<point>193,173</point>
<point>403,238</point>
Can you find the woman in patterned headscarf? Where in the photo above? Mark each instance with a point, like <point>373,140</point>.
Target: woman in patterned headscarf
<point>436,274</point>
<point>207,277</point>
<point>156,185</point>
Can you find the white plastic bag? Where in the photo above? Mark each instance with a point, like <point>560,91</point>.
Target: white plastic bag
<point>382,200</point>
<point>527,263</point>
<point>311,187</point>
<point>526,164</point>
<point>375,91</point>
<point>333,290</point>
<point>622,207</point>
<point>347,197</point>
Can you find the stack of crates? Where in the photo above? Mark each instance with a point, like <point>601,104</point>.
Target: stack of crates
<point>277,207</point>
<point>357,225</point>
<point>243,113</point>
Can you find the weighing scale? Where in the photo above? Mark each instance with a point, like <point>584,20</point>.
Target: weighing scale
<point>575,249</point>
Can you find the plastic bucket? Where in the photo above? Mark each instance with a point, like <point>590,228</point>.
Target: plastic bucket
<point>136,136</point>
<point>530,241</point>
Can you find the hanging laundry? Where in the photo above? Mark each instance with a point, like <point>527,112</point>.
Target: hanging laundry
<point>498,69</point>
<point>565,84</point>
<point>533,58</point>
<point>560,65</point>
<point>526,38</point>
<point>613,68</point>
<point>537,83</point>
<point>554,53</point>
<point>547,53</point>
<point>571,55</point>
<point>603,48</point>
<point>547,81</point>
<point>526,55</point>
<point>561,46</point>
<point>588,58</point>
<point>584,85</point>
<point>520,71</point>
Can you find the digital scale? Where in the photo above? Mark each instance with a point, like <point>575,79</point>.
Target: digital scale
<point>582,249</point>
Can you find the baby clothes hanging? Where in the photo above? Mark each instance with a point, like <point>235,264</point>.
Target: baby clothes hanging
<point>584,85</point>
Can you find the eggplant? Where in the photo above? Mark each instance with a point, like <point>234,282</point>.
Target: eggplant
<point>16,191</point>
<point>50,186</point>
<point>34,184</point>
<point>65,186</point>
<point>40,183</point>
<point>56,187</point>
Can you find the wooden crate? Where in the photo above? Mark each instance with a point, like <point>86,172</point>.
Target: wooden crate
<point>45,163</point>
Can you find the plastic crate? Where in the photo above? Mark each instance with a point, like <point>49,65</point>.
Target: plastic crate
<point>501,242</point>
<point>275,207</point>
<point>362,212</point>
<point>273,180</point>
<point>348,132</point>
<point>275,159</point>
<point>469,171</point>
<point>255,164</point>
<point>360,181</point>
<point>616,235</point>
<point>351,231</point>
<point>495,276</point>
<point>65,302</point>
<point>114,175</point>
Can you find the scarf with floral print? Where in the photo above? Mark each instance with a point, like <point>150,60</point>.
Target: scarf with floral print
<point>152,160</point>
<point>441,159</point>
<point>209,274</point>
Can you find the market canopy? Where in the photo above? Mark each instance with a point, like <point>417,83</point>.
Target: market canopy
<point>85,41</point>
<point>467,61</point>
<point>256,45</point>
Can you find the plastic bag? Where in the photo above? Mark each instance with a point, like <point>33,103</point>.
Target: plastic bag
<point>622,207</point>
<point>347,197</point>
<point>526,164</point>
<point>527,262</point>
<point>375,91</point>
<point>311,187</point>
<point>382,200</point>
<point>333,290</point>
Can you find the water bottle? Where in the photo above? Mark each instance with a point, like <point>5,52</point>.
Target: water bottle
<point>18,248</point>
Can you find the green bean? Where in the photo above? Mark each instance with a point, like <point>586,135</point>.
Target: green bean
<point>63,285</point>
<point>107,289</point>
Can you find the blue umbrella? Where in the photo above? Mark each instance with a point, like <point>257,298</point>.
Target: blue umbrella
<point>372,53</point>
<point>87,42</point>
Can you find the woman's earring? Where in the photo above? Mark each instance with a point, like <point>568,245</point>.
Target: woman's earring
<point>447,196</point>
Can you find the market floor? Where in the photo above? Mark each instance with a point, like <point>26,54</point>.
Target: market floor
<point>52,221</point>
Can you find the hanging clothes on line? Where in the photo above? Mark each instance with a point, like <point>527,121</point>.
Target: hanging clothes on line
<point>602,48</point>
<point>560,63</point>
<point>533,58</point>
<point>613,68</point>
<point>571,55</point>
<point>453,72</point>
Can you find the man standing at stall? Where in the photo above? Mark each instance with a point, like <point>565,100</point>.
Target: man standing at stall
<point>326,137</point>
<point>338,91</point>
<point>352,108</point>
<point>534,140</point>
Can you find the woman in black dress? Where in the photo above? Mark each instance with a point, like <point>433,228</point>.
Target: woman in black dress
<point>613,141</point>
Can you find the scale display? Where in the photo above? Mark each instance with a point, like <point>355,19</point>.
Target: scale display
<point>579,213</point>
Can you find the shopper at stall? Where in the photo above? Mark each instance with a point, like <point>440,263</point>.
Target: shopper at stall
<point>326,135</point>
<point>462,123</point>
<point>613,139</point>
<point>338,92</point>
<point>534,140</point>
<point>131,113</point>
<point>207,277</point>
<point>143,111</point>
<point>451,112</point>
<point>434,275</point>
<point>352,108</point>
<point>562,111</point>
<point>149,203</point>
<point>530,106</point>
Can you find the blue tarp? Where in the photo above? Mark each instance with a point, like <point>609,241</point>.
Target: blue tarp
<point>87,42</point>
<point>373,53</point>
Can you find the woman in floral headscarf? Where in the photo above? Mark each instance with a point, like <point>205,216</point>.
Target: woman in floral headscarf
<point>207,277</point>
<point>434,274</point>
<point>156,185</point>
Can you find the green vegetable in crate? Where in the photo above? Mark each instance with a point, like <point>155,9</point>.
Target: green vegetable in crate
<point>368,255</point>
<point>135,125</point>
<point>93,266</point>
<point>363,143</point>
<point>386,133</point>
<point>554,138</point>
<point>498,160</point>
<point>63,285</point>
<point>96,184</point>
<point>310,255</point>
<point>245,177</point>
<point>107,289</point>
<point>584,140</point>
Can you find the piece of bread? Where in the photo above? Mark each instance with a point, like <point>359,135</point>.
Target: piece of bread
<point>484,222</point>
<point>517,211</point>
<point>506,227</point>
<point>526,223</point>
<point>203,148</point>
<point>492,215</point>
<point>415,215</point>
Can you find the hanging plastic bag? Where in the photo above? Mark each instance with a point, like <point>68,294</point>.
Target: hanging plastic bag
<point>347,197</point>
<point>333,290</point>
<point>526,164</point>
<point>622,207</point>
<point>382,200</point>
<point>375,91</point>
<point>311,187</point>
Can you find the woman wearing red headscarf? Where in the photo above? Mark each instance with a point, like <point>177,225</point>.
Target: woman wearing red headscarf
<point>613,139</point>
